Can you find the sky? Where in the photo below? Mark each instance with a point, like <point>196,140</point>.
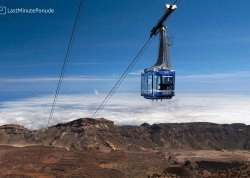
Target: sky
<point>210,54</point>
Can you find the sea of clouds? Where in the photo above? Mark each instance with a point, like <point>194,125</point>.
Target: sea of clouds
<point>217,98</point>
<point>128,109</point>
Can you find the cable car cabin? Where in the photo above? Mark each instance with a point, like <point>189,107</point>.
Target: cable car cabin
<point>158,84</point>
<point>158,81</point>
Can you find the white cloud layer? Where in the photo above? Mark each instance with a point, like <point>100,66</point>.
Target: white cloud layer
<point>33,113</point>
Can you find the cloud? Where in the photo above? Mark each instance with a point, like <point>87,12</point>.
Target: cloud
<point>132,109</point>
<point>138,72</point>
<point>96,92</point>
<point>29,65</point>
<point>238,74</point>
<point>214,82</point>
<point>203,104</point>
<point>54,79</point>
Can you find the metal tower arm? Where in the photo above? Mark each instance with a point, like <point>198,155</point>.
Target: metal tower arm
<point>163,58</point>
<point>169,10</point>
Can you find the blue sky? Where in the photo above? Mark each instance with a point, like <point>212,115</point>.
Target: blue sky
<point>210,50</point>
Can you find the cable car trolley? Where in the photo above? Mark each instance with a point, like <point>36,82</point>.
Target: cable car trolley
<point>158,81</point>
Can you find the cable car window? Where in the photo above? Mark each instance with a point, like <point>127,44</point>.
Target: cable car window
<point>167,79</point>
<point>159,82</point>
<point>155,82</point>
<point>149,82</point>
<point>165,82</point>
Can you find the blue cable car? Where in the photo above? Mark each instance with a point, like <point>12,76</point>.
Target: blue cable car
<point>158,84</point>
<point>158,81</point>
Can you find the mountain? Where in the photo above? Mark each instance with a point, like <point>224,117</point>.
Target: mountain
<point>89,147</point>
<point>102,134</point>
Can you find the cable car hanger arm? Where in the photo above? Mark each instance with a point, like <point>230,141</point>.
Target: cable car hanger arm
<point>169,10</point>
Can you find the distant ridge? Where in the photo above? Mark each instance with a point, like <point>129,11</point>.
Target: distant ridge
<point>103,135</point>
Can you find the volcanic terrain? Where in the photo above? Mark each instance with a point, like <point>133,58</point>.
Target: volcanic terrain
<point>98,148</point>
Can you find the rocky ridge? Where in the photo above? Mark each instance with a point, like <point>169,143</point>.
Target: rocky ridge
<point>89,147</point>
<point>102,134</point>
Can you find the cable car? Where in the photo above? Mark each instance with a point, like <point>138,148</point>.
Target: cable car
<point>158,81</point>
<point>158,84</point>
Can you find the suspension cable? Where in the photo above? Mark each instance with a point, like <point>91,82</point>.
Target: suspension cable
<point>176,2</point>
<point>125,73</point>
<point>128,69</point>
<point>71,39</point>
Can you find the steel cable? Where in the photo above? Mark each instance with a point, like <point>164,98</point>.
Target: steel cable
<point>125,73</point>
<point>71,39</point>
